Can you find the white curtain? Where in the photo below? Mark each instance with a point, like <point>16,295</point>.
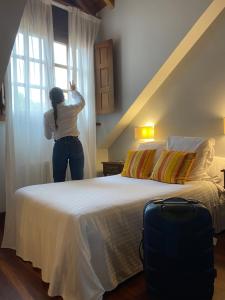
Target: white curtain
<point>29,78</point>
<point>83,30</point>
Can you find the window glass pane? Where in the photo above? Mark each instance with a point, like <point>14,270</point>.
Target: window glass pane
<point>61,78</point>
<point>20,70</point>
<point>43,92</point>
<point>77,57</point>
<point>78,80</point>
<point>60,54</point>
<point>19,44</point>
<point>21,93</point>
<point>12,69</point>
<point>70,58</point>
<point>19,98</point>
<point>43,50</point>
<point>43,76</point>
<point>35,95</point>
<point>34,47</point>
<point>34,73</point>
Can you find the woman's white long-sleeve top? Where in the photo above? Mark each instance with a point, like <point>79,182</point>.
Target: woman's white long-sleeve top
<point>66,119</point>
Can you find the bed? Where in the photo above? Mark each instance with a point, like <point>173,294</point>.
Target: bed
<point>84,235</point>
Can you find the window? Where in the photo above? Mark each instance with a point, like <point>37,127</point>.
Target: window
<point>60,28</point>
<point>28,71</point>
<point>28,66</point>
<point>61,67</point>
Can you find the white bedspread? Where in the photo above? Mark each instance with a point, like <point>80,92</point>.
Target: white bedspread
<point>84,235</point>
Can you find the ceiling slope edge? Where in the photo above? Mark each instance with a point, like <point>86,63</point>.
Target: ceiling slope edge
<point>183,48</point>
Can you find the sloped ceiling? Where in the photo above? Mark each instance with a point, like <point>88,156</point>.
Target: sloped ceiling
<point>199,28</point>
<point>10,15</point>
<point>89,6</point>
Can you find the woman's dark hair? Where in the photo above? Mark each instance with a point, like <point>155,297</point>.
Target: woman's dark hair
<point>56,96</point>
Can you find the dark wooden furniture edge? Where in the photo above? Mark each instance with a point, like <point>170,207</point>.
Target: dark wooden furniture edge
<point>112,167</point>
<point>223,177</point>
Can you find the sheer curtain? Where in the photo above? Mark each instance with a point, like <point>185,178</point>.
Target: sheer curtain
<point>83,30</point>
<point>29,78</point>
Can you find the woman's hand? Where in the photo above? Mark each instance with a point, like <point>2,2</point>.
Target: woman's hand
<point>73,86</point>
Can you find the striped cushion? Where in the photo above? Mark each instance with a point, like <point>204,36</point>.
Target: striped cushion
<point>139,164</point>
<point>173,166</point>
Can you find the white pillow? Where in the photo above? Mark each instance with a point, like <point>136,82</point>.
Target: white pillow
<point>215,170</point>
<point>204,147</point>
<point>159,146</point>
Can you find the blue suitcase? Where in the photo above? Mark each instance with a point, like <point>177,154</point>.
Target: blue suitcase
<point>178,250</point>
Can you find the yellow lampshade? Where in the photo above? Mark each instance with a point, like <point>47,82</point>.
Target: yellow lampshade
<point>144,133</point>
<point>224,125</point>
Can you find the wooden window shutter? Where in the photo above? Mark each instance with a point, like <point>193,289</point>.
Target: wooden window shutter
<point>104,85</point>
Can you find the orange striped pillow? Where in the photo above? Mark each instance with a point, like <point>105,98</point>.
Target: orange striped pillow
<point>173,166</point>
<point>139,164</point>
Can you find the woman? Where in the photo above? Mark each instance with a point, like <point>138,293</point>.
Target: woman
<point>60,123</point>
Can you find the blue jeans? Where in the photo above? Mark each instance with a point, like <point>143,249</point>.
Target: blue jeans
<point>68,149</point>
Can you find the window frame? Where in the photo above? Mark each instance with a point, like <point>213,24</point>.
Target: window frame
<point>61,66</point>
<point>27,59</point>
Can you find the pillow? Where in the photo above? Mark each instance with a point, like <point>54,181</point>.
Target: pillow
<point>214,170</point>
<point>139,164</point>
<point>159,146</point>
<point>204,149</point>
<point>173,166</point>
<point>152,145</point>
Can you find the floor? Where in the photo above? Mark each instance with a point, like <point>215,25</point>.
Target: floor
<point>19,281</point>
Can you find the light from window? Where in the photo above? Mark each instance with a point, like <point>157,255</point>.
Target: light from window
<point>19,44</point>
<point>35,95</point>
<point>61,71</point>
<point>34,73</point>
<point>60,54</point>
<point>28,72</point>
<point>61,78</point>
<point>34,47</point>
<point>20,70</point>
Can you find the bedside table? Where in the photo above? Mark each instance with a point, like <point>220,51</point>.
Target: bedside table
<point>112,167</point>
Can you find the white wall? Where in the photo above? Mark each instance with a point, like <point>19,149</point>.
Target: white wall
<point>10,15</point>
<point>144,33</point>
<point>192,100</point>
<point>101,156</point>
<point>2,166</point>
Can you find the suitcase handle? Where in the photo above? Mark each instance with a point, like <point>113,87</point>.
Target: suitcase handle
<point>174,201</point>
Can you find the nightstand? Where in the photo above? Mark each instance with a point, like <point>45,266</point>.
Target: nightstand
<point>112,167</point>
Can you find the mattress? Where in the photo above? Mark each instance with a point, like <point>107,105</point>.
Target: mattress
<point>84,235</point>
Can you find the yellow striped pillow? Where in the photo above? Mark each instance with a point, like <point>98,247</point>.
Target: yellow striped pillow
<point>139,164</point>
<point>173,166</point>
